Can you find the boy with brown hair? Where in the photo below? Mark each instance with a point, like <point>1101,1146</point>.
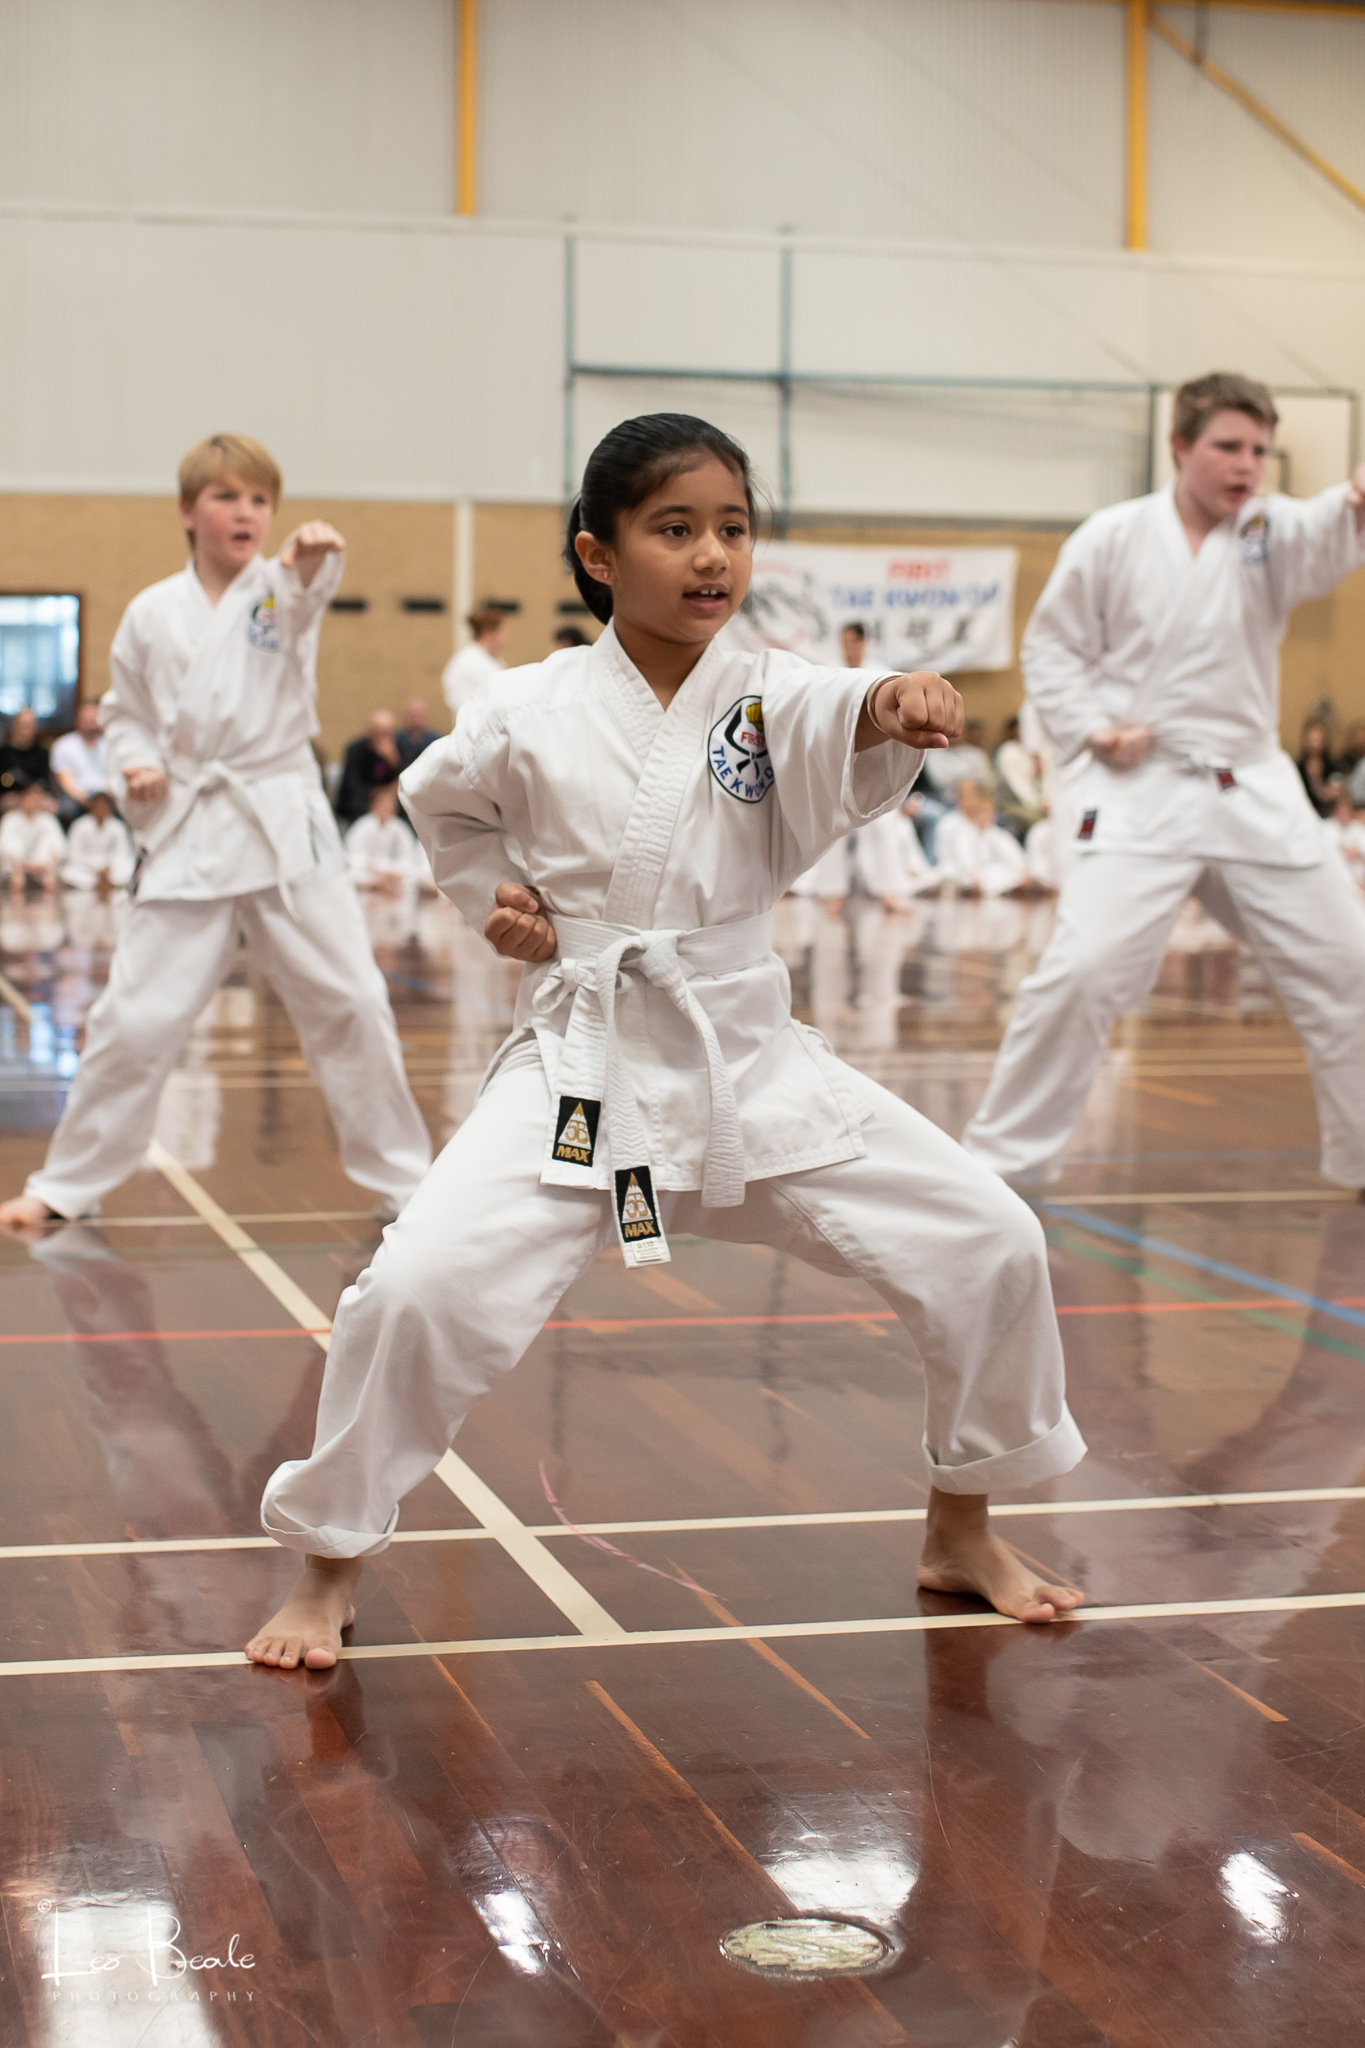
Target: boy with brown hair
<point>208,724</point>
<point>1153,659</point>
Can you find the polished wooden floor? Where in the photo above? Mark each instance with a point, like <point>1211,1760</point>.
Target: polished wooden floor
<point>563,1761</point>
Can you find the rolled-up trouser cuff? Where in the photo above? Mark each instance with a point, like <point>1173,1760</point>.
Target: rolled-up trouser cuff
<point>62,1201</point>
<point>1046,1458</point>
<point>325,1541</point>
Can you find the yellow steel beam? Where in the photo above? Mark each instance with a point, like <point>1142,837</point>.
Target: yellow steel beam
<point>1327,9</point>
<point>468,125</point>
<point>1258,110</point>
<point>1136,223</point>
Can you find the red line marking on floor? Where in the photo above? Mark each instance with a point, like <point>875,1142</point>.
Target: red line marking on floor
<point>606,1325</point>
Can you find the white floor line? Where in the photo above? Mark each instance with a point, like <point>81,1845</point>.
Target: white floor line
<point>831,1518</point>
<point>1186,1195</point>
<point>653,1639</point>
<point>553,1577</point>
<point>555,1581</point>
<point>261,1216</point>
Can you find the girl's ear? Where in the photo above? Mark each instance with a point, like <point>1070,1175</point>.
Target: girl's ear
<point>596,557</point>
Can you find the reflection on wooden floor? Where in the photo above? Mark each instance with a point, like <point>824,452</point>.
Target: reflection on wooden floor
<point>1146,1828</point>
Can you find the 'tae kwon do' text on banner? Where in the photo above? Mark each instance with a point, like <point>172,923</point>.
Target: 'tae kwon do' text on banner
<point>935,608</point>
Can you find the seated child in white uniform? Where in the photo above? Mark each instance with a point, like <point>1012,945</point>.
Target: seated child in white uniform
<point>1345,828</point>
<point>32,844</point>
<point>661,793</point>
<point>381,852</point>
<point>99,852</point>
<point>981,857</point>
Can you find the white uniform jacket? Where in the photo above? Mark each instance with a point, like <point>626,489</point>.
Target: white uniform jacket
<point>93,849</point>
<point>378,847</point>
<point>25,841</point>
<point>222,698</point>
<point>468,672</point>
<point>1135,628</point>
<point>983,857</point>
<point>659,842</point>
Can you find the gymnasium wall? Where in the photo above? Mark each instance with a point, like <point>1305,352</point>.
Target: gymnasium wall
<point>108,546</point>
<point>245,219</point>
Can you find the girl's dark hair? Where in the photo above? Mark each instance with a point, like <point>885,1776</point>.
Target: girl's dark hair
<point>626,467</point>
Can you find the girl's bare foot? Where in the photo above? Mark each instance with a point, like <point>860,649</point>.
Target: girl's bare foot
<point>307,1629</point>
<point>962,1554</point>
<point>24,1216</point>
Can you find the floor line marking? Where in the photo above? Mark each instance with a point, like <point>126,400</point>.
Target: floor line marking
<point>661,1638</point>
<point>610,1326</point>
<point>1213,1195</point>
<point>16,1001</point>
<point>1332,1860</point>
<point>547,1571</point>
<point>1178,1252</point>
<point>831,1518</point>
<point>554,1579</point>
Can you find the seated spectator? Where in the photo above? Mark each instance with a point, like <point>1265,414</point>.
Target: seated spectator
<point>32,843</point>
<point>1018,783</point>
<point>1345,827</point>
<point>23,759</point>
<point>1356,785</point>
<point>1352,748</point>
<point>79,767</point>
<point>369,762</point>
<point>947,766</point>
<point>414,736</point>
<point>976,853</point>
<point>478,664</point>
<point>382,852</point>
<point>569,636</point>
<point>1315,764</point>
<point>99,848</point>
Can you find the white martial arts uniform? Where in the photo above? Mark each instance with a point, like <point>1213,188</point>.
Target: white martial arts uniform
<point>984,857</point>
<point>656,1077</point>
<point>377,848</point>
<point>1134,628</point>
<point>468,672</point>
<point>1041,854</point>
<point>93,849</point>
<point>221,698</point>
<point>25,841</point>
<point>1349,841</point>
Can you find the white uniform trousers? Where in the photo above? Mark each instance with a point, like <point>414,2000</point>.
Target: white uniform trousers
<point>170,958</point>
<point>483,1254</point>
<point>1114,920</point>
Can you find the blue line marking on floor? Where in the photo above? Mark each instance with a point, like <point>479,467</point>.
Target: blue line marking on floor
<point>1102,1227</point>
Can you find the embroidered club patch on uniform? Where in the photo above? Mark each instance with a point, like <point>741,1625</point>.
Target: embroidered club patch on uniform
<point>1226,780</point>
<point>1087,830</point>
<point>1253,542</point>
<point>260,626</point>
<point>576,1130</point>
<point>635,1210</point>
<point>738,752</point>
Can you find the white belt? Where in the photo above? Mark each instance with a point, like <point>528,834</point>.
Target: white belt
<point>593,1074</point>
<point>189,779</point>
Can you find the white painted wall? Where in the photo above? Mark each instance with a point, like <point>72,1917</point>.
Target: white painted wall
<point>241,217</point>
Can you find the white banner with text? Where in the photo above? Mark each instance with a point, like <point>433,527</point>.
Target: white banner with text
<point>934,608</point>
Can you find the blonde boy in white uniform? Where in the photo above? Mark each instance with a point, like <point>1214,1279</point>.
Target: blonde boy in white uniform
<point>663,792</point>
<point>208,725</point>
<point>1155,649</point>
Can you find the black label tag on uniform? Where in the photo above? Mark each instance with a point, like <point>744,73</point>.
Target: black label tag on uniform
<point>1226,780</point>
<point>576,1130</point>
<point>636,1214</point>
<point>1087,830</point>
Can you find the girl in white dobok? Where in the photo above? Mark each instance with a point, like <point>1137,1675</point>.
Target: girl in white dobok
<point>662,793</point>
<point>1153,662</point>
